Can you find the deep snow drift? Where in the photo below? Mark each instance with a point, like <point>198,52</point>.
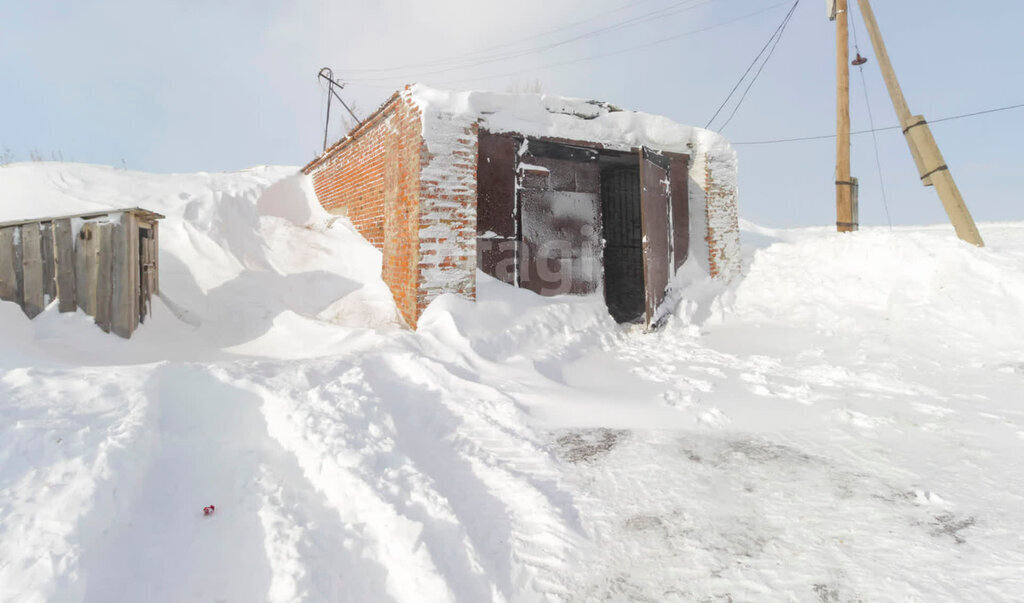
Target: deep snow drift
<point>843,423</point>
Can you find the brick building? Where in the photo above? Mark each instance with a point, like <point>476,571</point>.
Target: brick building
<point>552,194</point>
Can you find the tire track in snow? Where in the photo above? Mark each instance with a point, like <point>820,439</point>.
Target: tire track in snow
<point>486,464</point>
<point>445,484</point>
<point>311,553</point>
<point>63,455</point>
<point>203,455</point>
<point>211,447</point>
<point>342,439</point>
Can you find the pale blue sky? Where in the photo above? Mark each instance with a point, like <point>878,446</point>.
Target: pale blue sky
<point>190,85</point>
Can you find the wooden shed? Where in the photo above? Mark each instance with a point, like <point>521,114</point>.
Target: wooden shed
<point>105,263</point>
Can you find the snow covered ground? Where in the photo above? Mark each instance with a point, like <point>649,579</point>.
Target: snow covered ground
<point>844,423</point>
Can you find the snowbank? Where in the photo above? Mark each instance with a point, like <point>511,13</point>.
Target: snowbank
<point>918,285</point>
<point>842,423</point>
<point>236,250</point>
<point>293,199</point>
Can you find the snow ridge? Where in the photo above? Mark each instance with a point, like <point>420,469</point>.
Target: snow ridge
<point>840,423</point>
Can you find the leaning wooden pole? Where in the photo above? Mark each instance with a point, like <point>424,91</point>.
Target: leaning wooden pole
<point>845,220</point>
<point>930,164</point>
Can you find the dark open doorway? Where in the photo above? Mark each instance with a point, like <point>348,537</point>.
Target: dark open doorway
<point>623,236</point>
<point>558,216</point>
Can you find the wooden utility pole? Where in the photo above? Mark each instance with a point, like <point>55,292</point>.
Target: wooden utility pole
<point>845,220</point>
<point>930,164</point>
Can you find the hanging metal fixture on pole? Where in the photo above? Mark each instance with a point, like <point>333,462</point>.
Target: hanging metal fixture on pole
<point>930,164</point>
<point>328,75</point>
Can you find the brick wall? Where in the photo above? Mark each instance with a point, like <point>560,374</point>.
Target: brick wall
<point>448,205</point>
<point>412,193</point>
<point>372,177</point>
<point>407,181</point>
<point>722,219</point>
<point>402,209</point>
<point>349,177</point>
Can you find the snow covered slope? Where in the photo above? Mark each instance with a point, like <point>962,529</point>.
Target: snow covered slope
<point>843,423</point>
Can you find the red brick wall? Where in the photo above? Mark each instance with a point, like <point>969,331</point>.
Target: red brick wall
<point>372,177</point>
<point>349,177</point>
<point>448,205</point>
<point>722,218</point>
<point>402,209</point>
<point>407,181</point>
<point>412,195</point>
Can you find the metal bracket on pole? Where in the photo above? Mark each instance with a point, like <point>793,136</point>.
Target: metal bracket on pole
<point>327,74</point>
<point>854,223</point>
<point>915,122</point>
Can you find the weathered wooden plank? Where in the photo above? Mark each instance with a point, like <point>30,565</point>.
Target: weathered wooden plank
<point>133,254</point>
<point>86,258</point>
<point>49,274</point>
<point>32,270</point>
<point>8,267</point>
<point>19,277</point>
<point>103,237</point>
<point>147,268</point>
<point>124,245</point>
<point>64,264</point>
<point>155,250</point>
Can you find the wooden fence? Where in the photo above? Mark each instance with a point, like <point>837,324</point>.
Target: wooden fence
<point>107,264</point>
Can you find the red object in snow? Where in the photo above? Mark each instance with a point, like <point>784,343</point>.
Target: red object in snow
<point>209,510</point>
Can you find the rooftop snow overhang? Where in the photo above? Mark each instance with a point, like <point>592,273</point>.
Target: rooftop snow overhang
<point>144,214</point>
<point>543,116</point>
<point>552,117</point>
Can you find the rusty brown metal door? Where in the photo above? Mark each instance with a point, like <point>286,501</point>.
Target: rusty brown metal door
<point>560,217</point>
<point>655,219</point>
<point>497,237</point>
<point>679,195</point>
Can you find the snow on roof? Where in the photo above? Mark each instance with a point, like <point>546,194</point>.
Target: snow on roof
<point>546,115</point>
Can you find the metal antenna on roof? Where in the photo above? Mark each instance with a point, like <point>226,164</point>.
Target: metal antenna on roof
<point>328,75</point>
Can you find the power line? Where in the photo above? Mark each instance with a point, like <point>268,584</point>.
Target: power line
<point>767,58</point>
<point>481,51</point>
<point>463,57</point>
<point>828,136</point>
<point>681,6</point>
<point>751,66</point>
<point>622,50</point>
<point>871,120</point>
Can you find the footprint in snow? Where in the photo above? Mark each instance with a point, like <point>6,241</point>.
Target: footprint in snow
<point>713,418</point>
<point>860,420</point>
<point>930,409</point>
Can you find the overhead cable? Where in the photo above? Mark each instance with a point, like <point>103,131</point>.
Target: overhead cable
<point>621,50</point>
<point>764,48</point>
<point>871,120</point>
<point>869,131</point>
<point>471,61</point>
<point>767,58</point>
